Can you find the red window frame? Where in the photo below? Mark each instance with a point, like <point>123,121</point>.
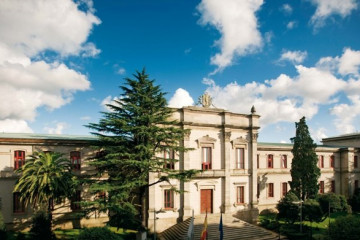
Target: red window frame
<point>332,161</point>
<point>271,190</point>
<point>322,187</point>
<point>240,161</point>
<point>270,161</point>
<point>169,154</point>
<point>75,199</point>
<point>355,161</point>
<point>321,161</point>
<point>283,161</point>
<point>75,158</point>
<point>284,189</point>
<point>168,199</point>
<point>19,159</point>
<point>332,186</point>
<point>206,153</point>
<point>18,205</point>
<point>240,195</point>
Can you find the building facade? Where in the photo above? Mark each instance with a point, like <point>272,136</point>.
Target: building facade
<point>240,177</point>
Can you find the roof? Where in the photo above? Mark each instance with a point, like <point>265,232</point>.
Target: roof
<point>47,136</point>
<point>344,136</point>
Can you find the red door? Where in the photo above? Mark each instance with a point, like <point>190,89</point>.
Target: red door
<point>206,200</point>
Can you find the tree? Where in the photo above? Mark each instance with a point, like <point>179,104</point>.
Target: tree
<point>45,178</point>
<point>131,136</point>
<point>304,170</point>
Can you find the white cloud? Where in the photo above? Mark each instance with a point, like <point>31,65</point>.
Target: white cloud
<point>29,80</point>
<point>109,100</point>
<point>181,98</point>
<point>237,23</point>
<point>286,8</point>
<point>58,129</point>
<point>326,8</point>
<point>85,118</point>
<point>291,25</point>
<point>121,71</point>
<point>17,126</point>
<point>318,134</point>
<point>295,57</point>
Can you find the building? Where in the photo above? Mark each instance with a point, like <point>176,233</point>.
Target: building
<point>240,178</point>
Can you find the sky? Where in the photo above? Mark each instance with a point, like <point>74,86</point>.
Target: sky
<point>61,61</point>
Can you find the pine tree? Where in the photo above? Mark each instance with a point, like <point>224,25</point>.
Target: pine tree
<point>304,170</point>
<point>132,135</point>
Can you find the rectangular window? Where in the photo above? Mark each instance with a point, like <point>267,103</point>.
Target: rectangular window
<point>322,187</point>
<point>321,161</point>
<point>19,159</point>
<point>283,161</point>
<point>258,160</point>
<point>270,161</point>
<point>240,195</point>
<point>75,201</point>
<point>355,161</point>
<point>75,160</point>
<point>240,162</point>
<point>169,156</point>
<point>332,186</point>
<point>206,158</point>
<point>18,205</point>
<point>270,190</point>
<point>168,199</point>
<point>258,190</point>
<point>284,189</point>
<point>332,161</point>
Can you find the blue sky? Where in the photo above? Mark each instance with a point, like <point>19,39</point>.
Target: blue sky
<point>61,60</point>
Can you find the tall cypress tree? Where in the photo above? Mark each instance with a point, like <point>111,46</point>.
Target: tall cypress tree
<point>304,170</point>
<point>132,136</point>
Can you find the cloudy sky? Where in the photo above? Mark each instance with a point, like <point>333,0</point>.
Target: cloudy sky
<point>62,60</point>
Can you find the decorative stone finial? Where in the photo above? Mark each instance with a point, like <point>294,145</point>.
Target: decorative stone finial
<point>253,110</point>
<point>205,100</point>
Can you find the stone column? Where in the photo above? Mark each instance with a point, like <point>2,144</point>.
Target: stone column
<point>227,151</point>
<point>185,165</point>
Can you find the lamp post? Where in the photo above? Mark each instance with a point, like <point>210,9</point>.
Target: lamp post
<point>300,205</point>
<point>155,218</point>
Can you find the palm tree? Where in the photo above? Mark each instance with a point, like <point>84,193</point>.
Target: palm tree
<point>45,177</point>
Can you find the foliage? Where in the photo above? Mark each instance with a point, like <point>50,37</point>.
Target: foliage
<point>122,217</point>
<point>131,136</point>
<point>355,201</point>
<point>287,209</point>
<point>41,226</point>
<point>304,170</point>
<point>345,228</point>
<point>44,176</point>
<point>3,234</point>
<point>98,233</point>
<point>337,202</point>
<point>312,211</point>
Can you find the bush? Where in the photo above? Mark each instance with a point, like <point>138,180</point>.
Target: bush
<point>355,201</point>
<point>312,211</point>
<point>41,226</point>
<point>98,233</point>
<point>287,209</point>
<point>337,202</point>
<point>345,228</point>
<point>3,234</point>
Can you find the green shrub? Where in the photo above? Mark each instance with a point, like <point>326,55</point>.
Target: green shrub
<point>287,209</point>
<point>337,202</point>
<point>347,227</point>
<point>312,211</point>
<point>98,233</point>
<point>41,227</point>
<point>3,234</point>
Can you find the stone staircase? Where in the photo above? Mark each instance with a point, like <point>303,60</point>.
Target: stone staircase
<point>233,230</point>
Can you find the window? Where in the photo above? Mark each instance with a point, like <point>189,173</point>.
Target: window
<point>18,205</point>
<point>332,186</point>
<point>355,161</point>
<point>283,161</point>
<point>284,189</point>
<point>270,161</point>
<point>169,156</point>
<point>321,161</point>
<point>240,163</point>
<point>258,190</point>
<point>75,160</point>
<point>332,161</point>
<point>322,187</point>
<point>168,199</point>
<point>206,158</point>
<point>356,184</point>
<point>240,195</point>
<point>19,159</point>
<point>258,160</point>
<point>270,190</point>
<point>75,200</point>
